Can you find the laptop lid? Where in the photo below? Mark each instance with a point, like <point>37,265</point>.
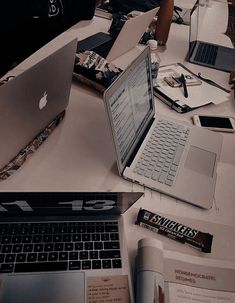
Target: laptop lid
<point>130,34</point>
<point>33,99</point>
<point>65,229</point>
<point>193,29</point>
<point>129,102</point>
<point>203,27</point>
<point>19,206</point>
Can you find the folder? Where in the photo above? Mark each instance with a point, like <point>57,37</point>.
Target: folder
<point>200,92</point>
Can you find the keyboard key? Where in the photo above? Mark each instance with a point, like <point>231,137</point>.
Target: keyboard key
<point>10,258</point>
<point>98,245</point>
<point>38,247</point>
<point>76,238</point>
<point>6,268</point>
<point>21,257</point>
<point>6,240</point>
<point>63,256</point>
<point>17,248</point>
<point>79,246</point>
<point>49,247</point>
<point>6,248</point>
<point>75,265</point>
<point>41,266</point>
<point>68,246</point>
<point>42,257</point>
<point>95,237</point>
<point>110,254</point>
<point>83,255</point>
<point>93,254</point>
<point>86,265</point>
<point>117,263</point>
<point>16,239</point>
<point>88,246</point>
<point>53,256</point>
<point>96,264</point>
<point>59,247</point>
<point>111,245</point>
<point>114,236</point>
<point>106,264</point>
<point>73,255</point>
<point>37,239</point>
<point>32,257</point>
<point>26,239</point>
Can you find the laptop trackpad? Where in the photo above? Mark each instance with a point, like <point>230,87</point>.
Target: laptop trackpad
<point>201,161</point>
<point>43,288</point>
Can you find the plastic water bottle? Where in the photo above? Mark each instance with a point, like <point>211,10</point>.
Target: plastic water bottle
<point>155,59</point>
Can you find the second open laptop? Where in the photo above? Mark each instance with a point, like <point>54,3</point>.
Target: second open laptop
<point>204,53</point>
<point>129,36</point>
<point>156,151</point>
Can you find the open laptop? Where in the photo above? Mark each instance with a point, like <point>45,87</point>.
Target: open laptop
<point>129,36</point>
<point>31,100</point>
<point>64,247</point>
<point>156,151</point>
<point>204,53</point>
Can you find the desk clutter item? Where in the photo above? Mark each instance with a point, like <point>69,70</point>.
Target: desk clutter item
<point>181,15</point>
<point>93,70</point>
<point>28,151</point>
<point>199,91</point>
<point>175,230</point>
<point>170,276</point>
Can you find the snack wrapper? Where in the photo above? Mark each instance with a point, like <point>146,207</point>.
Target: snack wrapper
<point>93,70</point>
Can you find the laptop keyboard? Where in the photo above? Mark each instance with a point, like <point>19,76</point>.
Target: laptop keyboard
<point>161,156</point>
<point>206,53</point>
<point>34,247</point>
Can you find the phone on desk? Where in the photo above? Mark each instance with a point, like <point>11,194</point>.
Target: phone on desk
<point>216,123</point>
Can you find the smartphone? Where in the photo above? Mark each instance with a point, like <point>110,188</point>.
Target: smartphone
<point>217,123</point>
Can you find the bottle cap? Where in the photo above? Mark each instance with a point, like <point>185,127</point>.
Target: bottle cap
<point>152,44</point>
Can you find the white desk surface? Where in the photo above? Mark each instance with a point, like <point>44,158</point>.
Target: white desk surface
<point>79,156</point>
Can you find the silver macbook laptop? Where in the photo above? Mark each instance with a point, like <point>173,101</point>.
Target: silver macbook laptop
<point>129,36</point>
<point>156,151</point>
<point>204,53</point>
<point>64,247</point>
<point>31,100</point>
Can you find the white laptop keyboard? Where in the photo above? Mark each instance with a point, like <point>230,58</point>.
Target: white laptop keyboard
<point>161,156</point>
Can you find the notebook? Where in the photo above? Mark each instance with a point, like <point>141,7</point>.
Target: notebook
<point>129,36</point>
<point>64,247</point>
<point>31,100</point>
<point>204,53</point>
<point>156,151</point>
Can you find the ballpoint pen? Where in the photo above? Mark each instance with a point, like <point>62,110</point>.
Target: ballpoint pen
<point>183,81</point>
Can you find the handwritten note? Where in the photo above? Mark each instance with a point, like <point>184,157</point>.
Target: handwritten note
<point>108,289</point>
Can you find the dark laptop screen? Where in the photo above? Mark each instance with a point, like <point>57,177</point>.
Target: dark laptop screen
<point>64,204</point>
<point>193,30</point>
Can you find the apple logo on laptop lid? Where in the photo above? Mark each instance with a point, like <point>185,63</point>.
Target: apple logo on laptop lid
<point>43,101</point>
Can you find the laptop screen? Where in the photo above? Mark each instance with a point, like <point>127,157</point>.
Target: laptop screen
<point>130,106</point>
<point>193,30</point>
<point>20,205</point>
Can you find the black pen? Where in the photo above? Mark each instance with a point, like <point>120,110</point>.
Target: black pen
<point>183,81</point>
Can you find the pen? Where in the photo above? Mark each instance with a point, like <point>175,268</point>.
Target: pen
<point>183,81</point>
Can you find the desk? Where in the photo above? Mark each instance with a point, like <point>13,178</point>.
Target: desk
<point>79,155</point>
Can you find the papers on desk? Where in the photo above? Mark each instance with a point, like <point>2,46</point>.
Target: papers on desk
<point>200,93</point>
<point>172,277</point>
